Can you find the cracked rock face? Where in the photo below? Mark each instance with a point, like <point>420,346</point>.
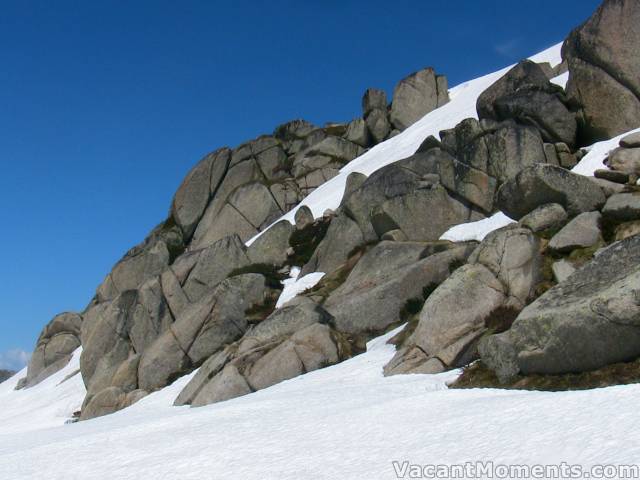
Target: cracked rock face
<point>590,320</point>
<point>604,70</point>
<point>500,276</point>
<point>54,348</point>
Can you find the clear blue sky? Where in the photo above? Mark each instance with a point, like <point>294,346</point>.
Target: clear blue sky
<point>105,106</point>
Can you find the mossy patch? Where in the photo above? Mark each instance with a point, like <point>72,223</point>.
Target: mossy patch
<point>409,314</point>
<point>258,312</point>
<point>501,319</point>
<point>333,280</point>
<point>478,375</point>
<point>305,241</point>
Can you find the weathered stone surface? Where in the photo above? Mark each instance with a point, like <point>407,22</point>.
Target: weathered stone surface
<point>209,369</point>
<point>281,363</point>
<point>604,69</point>
<point>562,269</point>
<point>429,143</point>
<point>513,255</point>
<point>542,184</point>
<point>400,194</point>
<point>524,94</point>
<point>107,401</point>
<point>342,237</point>
<point>271,247</point>
<point>631,141</point>
<point>417,95</point>
<point>625,160</point>
<point>54,348</point>
<point>588,321</point>
<point>607,187</point>
<point>581,232</point>
<point>228,384</point>
<point>378,124</point>
<point>283,322</point>
<point>383,280</point>
<point>541,109</point>
<point>303,217</point>
<point>358,133</point>
<point>523,74</point>
<point>221,219</point>
<point>501,274</point>
<point>373,99</point>
<point>487,154</point>
<point>612,175</point>
<point>142,262</point>
<point>550,216</point>
<point>622,207</point>
<point>200,184</point>
<point>214,264</point>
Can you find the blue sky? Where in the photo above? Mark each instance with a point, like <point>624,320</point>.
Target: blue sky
<point>105,106</point>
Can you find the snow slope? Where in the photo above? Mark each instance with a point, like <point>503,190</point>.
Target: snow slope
<point>342,422</point>
<point>48,404</point>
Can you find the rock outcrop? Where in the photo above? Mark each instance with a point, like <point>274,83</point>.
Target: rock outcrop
<point>55,346</point>
<point>604,70</point>
<point>587,321</point>
<point>498,280</point>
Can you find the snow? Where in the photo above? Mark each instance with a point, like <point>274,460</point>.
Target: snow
<point>561,80</point>
<point>462,105</point>
<point>345,421</point>
<point>598,152</point>
<point>294,285</point>
<point>48,404</point>
<point>476,230</point>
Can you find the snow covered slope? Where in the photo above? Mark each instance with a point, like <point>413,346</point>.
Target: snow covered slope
<point>342,422</point>
<point>48,404</point>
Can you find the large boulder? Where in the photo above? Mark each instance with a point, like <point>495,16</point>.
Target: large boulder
<point>541,184</point>
<point>586,322</point>
<point>200,184</point>
<point>624,160</point>
<point>525,95</point>
<point>143,261</point>
<point>483,155</point>
<point>499,279</point>
<point>416,95</point>
<point>218,319</point>
<point>397,196</point>
<point>581,232</point>
<point>604,70</point>
<point>622,207</point>
<point>214,264</point>
<point>269,359</point>
<point>525,73</point>
<point>342,238</point>
<point>54,348</point>
<point>384,279</point>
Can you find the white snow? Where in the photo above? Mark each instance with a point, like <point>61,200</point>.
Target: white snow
<point>476,230</point>
<point>341,422</point>
<point>561,80</point>
<point>598,152</point>
<point>48,404</point>
<point>294,285</point>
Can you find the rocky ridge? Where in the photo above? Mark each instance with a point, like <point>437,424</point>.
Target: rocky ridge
<point>533,297</point>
